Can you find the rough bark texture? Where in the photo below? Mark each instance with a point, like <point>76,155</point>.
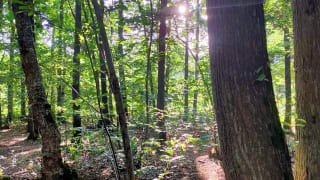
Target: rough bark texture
<point>51,168</point>
<point>76,70</point>
<point>252,141</point>
<point>161,70</point>
<point>23,99</point>
<point>307,55</point>
<point>186,74</point>
<point>287,62</point>
<point>196,71</point>
<point>114,84</point>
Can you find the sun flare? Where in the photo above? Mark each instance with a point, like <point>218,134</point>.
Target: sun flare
<point>182,9</point>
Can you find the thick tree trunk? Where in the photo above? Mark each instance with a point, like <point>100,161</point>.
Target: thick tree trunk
<point>161,70</point>
<point>307,55</point>
<point>33,127</point>
<point>196,71</point>
<point>76,70</point>
<point>23,99</point>
<point>51,155</point>
<point>287,62</point>
<point>186,75</point>
<point>252,141</point>
<point>114,84</point>
<point>60,89</point>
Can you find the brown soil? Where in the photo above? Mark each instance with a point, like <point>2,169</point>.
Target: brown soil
<point>20,158</point>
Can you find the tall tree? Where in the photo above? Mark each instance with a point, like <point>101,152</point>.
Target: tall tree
<point>51,154</point>
<point>186,73</point>
<point>287,65</point>
<point>251,139</point>
<point>76,69</point>
<point>114,84</point>
<point>196,71</point>
<point>120,51</point>
<point>23,98</point>
<point>10,75</point>
<point>307,54</point>
<point>161,70</point>
<point>103,71</point>
<point>60,89</point>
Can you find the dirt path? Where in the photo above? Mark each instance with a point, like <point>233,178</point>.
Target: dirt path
<point>19,157</point>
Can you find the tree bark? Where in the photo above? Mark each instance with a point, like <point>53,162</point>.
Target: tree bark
<point>251,139</point>
<point>196,71</point>
<point>307,54</point>
<point>76,70</point>
<point>120,51</point>
<point>23,99</point>
<point>161,70</point>
<point>287,64</point>
<point>114,84</point>
<point>51,168</point>
<point>103,73</point>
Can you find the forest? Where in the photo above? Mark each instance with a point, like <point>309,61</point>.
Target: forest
<point>160,89</point>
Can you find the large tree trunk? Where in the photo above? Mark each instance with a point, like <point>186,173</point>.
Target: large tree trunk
<point>76,70</point>
<point>252,141</point>
<point>287,62</point>
<point>161,70</point>
<point>23,99</point>
<point>114,83</point>
<point>186,74</point>
<point>307,55</point>
<point>51,155</point>
<point>196,71</point>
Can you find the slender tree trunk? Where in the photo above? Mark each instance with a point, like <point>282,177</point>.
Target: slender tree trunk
<point>60,89</point>
<point>196,71</point>
<point>114,84</point>
<point>120,51</point>
<point>76,70</point>
<point>307,54</point>
<point>23,99</point>
<point>103,73</point>
<point>148,70</point>
<point>51,168</point>
<point>161,70</point>
<point>287,62</point>
<point>186,74</point>
<point>0,111</point>
<point>9,80</point>
<point>251,139</point>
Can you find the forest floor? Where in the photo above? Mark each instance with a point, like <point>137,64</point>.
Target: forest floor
<point>20,158</point>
